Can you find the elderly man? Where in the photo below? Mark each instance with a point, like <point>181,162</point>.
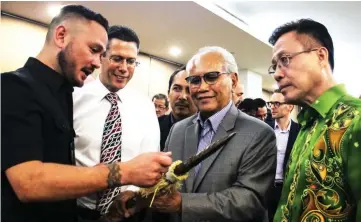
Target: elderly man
<point>232,183</point>
<point>323,180</point>
<point>180,101</point>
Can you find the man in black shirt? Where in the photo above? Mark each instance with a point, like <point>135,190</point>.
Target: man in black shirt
<point>38,181</point>
<point>180,101</point>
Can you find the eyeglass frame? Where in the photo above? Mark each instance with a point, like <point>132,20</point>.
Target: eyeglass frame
<point>274,104</point>
<point>202,77</point>
<point>160,107</point>
<point>135,64</point>
<point>288,58</point>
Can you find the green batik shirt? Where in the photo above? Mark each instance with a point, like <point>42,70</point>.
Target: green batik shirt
<point>323,179</point>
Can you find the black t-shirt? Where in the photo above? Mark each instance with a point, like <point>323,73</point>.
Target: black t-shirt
<point>29,131</point>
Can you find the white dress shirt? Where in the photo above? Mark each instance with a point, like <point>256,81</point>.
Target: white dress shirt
<point>140,127</point>
<point>282,140</point>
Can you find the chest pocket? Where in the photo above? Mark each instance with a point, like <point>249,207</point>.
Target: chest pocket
<point>64,138</point>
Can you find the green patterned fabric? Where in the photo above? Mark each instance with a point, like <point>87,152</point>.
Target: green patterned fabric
<point>323,179</point>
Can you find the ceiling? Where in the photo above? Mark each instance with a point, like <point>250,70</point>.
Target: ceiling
<point>343,20</point>
<point>161,25</point>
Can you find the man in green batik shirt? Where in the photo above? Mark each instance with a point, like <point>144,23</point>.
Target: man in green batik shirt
<point>323,178</point>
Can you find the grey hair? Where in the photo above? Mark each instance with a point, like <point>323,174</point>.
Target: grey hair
<point>230,61</point>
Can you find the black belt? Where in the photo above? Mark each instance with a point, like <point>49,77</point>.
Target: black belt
<point>87,213</point>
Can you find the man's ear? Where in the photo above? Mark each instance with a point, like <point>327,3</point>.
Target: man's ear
<point>234,77</point>
<point>323,56</point>
<point>59,35</point>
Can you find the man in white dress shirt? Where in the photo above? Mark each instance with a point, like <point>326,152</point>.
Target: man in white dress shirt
<point>286,132</point>
<point>112,122</point>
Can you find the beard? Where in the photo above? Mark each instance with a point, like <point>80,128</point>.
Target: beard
<point>68,66</point>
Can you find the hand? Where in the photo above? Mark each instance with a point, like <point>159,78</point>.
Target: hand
<point>168,203</point>
<point>146,169</point>
<point>118,211</point>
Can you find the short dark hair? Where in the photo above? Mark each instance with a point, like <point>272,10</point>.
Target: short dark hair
<point>161,96</point>
<point>171,78</point>
<point>259,103</point>
<point>123,33</point>
<point>247,105</point>
<point>76,11</point>
<point>311,28</point>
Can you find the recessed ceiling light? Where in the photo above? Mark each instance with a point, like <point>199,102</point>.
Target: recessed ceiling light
<point>175,51</point>
<point>54,10</point>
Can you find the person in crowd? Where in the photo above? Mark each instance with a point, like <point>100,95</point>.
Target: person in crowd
<point>230,185</point>
<point>248,106</point>
<point>261,109</point>
<point>161,104</point>
<point>237,94</point>
<point>323,177</point>
<point>286,131</point>
<point>107,129</point>
<point>180,101</point>
<point>38,177</point>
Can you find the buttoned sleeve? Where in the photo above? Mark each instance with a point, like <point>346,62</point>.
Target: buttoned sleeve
<point>21,118</point>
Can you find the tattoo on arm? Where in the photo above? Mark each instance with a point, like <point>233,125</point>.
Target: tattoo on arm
<point>114,176</point>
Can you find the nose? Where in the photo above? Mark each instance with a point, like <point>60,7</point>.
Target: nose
<point>96,62</point>
<point>203,86</point>
<point>123,66</point>
<point>279,73</point>
<point>183,95</point>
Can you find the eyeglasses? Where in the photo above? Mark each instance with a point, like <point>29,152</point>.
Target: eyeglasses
<point>286,59</point>
<point>118,60</point>
<point>159,107</point>
<point>210,78</point>
<point>275,104</point>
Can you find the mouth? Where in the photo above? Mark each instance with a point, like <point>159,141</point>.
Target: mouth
<point>205,97</point>
<point>119,77</point>
<point>87,72</point>
<point>283,87</point>
<point>181,105</point>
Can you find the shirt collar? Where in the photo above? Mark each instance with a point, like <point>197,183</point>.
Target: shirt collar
<point>322,105</point>
<point>286,130</point>
<point>49,76</point>
<point>102,91</point>
<point>215,119</point>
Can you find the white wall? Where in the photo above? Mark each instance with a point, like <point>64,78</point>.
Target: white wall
<point>20,40</point>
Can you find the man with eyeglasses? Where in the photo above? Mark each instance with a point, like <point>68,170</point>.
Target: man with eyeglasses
<point>323,178</point>
<point>286,131</point>
<point>107,127</point>
<point>231,184</point>
<point>161,104</point>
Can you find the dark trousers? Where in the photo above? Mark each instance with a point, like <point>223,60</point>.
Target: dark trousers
<point>273,197</point>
